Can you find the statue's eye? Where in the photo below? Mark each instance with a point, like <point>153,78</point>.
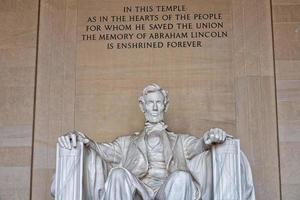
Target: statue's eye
<point>149,102</point>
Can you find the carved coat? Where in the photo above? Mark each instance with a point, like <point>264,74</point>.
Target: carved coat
<point>182,152</point>
<point>130,152</point>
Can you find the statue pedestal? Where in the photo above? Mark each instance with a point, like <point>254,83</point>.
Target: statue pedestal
<point>69,173</point>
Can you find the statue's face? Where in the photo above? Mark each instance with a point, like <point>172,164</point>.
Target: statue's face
<point>154,107</point>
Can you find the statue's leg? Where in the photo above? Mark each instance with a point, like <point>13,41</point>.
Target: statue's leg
<point>179,185</point>
<point>122,185</point>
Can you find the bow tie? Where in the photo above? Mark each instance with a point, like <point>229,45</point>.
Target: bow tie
<point>155,127</point>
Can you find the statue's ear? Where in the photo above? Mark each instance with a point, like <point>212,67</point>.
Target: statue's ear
<point>142,105</point>
<point>166,106</point>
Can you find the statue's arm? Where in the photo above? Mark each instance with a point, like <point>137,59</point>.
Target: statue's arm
<point>110,152</point>
<point>194,146</point>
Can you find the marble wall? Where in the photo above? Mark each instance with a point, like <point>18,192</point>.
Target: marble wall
<point>80,85</point>
<point>286,23</point>
<point>17,78</point>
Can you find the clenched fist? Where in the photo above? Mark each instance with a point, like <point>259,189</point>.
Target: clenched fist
<point>215,136</point>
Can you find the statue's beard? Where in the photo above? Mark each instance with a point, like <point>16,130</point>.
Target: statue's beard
<point>154,118</point>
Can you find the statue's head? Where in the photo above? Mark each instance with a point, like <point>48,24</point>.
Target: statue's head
<point>154,103</point>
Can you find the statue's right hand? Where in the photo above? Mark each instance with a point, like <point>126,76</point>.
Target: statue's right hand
<point>69,140</point>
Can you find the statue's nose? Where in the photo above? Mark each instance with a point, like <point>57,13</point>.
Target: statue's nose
<point>155,107</point>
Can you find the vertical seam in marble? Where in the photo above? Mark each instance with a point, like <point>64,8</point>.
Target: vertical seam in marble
<point>75,69</point>
<point>34,97</point>
<point>276,101</point>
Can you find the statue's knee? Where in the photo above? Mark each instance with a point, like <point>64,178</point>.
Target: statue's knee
<point>118,173</point>
<point>181,177</point>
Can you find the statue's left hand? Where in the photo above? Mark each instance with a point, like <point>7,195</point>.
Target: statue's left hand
<point>214,136</point>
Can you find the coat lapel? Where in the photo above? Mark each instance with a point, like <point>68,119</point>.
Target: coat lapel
<point>136,157</point>
<point>139,142</point>
<point>169,142</point>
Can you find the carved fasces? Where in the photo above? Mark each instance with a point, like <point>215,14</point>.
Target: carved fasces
<point>226,161</point>
<point>69,173</point>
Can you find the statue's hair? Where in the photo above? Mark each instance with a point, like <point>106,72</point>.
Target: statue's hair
<point>154,88</point>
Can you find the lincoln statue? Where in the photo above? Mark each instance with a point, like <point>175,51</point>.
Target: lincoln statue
<point>155,163</point>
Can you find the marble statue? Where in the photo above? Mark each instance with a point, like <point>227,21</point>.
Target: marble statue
<point>157,164</point>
